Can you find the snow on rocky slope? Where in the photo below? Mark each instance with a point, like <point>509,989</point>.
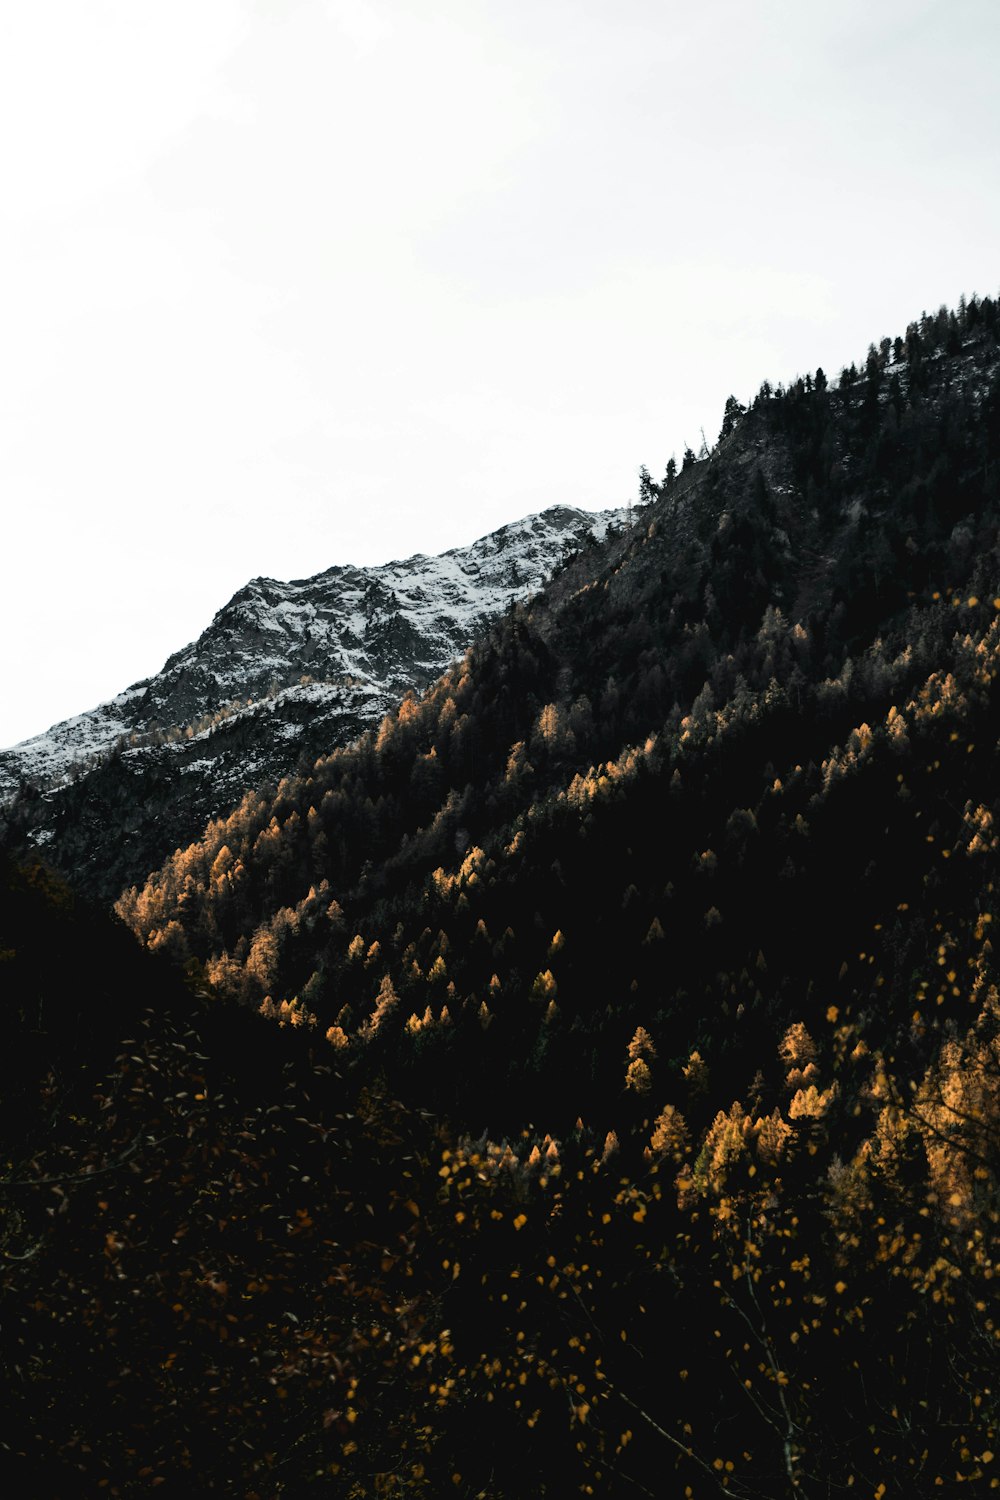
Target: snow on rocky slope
<point>285,670</point>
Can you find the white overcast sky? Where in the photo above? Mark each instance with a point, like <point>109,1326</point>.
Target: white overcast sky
<point>285,283</point>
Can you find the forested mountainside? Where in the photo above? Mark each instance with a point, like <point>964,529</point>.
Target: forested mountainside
<point>284,671</point>
<point>624,1111</point>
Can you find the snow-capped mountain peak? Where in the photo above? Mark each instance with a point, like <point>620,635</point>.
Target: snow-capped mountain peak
<point>285,669</point>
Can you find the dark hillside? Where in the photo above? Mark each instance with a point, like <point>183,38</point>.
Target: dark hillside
<point>623,1111</point>
<point>648,763</point>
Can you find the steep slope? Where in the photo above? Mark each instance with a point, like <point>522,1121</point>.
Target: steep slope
<point>634,1120</point>
<point>676,898</point>
<point>283,671</point>
<point>775,600</point>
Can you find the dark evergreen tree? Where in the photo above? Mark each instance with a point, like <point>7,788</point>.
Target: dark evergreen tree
<point>731,417</point>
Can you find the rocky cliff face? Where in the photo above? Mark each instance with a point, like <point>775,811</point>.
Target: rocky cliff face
<point>285,671</point>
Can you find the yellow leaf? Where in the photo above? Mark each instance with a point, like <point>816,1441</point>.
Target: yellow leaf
<point>520,1221</point>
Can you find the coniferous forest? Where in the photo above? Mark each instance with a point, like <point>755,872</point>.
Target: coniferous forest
<point>587,1083</point>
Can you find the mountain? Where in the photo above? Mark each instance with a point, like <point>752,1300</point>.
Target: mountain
<point>589,1080</point>
<point>284,672</point>
<point>775,600</point>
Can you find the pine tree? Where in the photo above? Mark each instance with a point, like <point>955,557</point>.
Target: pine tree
<point>731,417</point>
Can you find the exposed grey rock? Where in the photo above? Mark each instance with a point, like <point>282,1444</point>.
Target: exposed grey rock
<point>285,671</point>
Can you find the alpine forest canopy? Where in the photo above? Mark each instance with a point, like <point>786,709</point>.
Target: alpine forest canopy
<point>588,1082</point>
